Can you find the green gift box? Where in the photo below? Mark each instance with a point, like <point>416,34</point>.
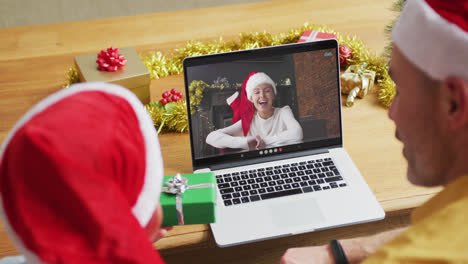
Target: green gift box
<point>196,195</point>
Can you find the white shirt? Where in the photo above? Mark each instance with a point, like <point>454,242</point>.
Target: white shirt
<point>278,130</point>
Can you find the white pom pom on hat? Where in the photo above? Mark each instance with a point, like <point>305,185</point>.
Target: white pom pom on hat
<point>433,35</point>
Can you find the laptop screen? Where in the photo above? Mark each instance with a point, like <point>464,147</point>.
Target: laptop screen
<point>292,102</point>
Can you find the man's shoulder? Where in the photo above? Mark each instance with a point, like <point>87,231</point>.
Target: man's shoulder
<point>453,192</point>
<point>441,235</point>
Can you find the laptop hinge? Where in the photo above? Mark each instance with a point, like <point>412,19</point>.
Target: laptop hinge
<point>268,159</point>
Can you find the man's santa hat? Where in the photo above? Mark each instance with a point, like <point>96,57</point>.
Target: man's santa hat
<point>433,35</point>
<point>80,177</point>
<point>243,108</point>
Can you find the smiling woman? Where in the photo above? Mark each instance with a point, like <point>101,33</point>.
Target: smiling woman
<point>261,125</point>
<point>262,98</point>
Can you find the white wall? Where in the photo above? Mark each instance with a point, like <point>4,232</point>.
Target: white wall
<point>30,12</point>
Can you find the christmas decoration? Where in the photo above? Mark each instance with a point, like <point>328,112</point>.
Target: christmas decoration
<point>72,77</point>
<point>387,90</point>
<point>242,108</point>
<point>356,81</point>
<point>110,60</point>
<point>312,35</point>
<point>196,89</point>
<point>171,96</point>
<point>134,76</point>
<point>160,65</point>
<point>221,83</point>
<point>286,81</point>
<point>345,54</point>
<point>396,7</point>
<point>169,114</point>
<point>189,199</point>
<point>170,117</point>
<point>387,86</point>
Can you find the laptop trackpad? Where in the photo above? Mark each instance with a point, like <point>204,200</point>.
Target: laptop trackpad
<point>303,212</point>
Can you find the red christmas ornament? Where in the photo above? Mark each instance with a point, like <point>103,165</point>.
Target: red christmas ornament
<point>110,60</point>
<point>345,54</point>
<point>171,96</point>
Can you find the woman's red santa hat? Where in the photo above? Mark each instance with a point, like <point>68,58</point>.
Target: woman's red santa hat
<point>433,35</point>
<point>243,108</point>
<point>80,177</point>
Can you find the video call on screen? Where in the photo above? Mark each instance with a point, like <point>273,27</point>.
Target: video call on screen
<point>306,82</point>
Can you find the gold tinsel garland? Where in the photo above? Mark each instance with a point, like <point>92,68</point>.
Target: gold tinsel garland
<point>72,76</point>
<point>170,117</point>
<point>160,65</point>
<point>196,89</point>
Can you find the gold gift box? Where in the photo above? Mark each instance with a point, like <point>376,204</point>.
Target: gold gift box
<point>133,76</point>
<point>356,81</point>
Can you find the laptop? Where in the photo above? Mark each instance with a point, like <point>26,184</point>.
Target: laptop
<point>305,184</point>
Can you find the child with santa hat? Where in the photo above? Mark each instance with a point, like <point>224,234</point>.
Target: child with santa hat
<point>80,178</point>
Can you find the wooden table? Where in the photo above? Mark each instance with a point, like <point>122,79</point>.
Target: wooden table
<point>35,59</point>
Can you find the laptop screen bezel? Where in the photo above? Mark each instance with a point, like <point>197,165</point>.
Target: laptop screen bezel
<point>287,49</point>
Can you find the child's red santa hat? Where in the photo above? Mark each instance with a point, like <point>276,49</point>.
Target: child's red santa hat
<point>433,35</point>
<point>80,177</point>
<point>243,108</point>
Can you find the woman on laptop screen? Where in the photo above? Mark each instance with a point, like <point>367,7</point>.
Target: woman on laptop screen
<point>256,123</point>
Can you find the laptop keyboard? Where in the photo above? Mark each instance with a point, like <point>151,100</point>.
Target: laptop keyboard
<point>278,181</point>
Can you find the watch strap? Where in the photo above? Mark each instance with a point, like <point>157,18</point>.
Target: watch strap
<point>338,252</point>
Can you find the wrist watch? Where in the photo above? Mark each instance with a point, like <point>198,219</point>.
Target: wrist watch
<point>338,252</point>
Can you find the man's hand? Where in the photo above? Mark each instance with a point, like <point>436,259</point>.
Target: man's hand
<point>356,249</point>
<point>306,255</point>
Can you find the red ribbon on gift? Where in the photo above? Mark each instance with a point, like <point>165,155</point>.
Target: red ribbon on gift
<point>110,60</point>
